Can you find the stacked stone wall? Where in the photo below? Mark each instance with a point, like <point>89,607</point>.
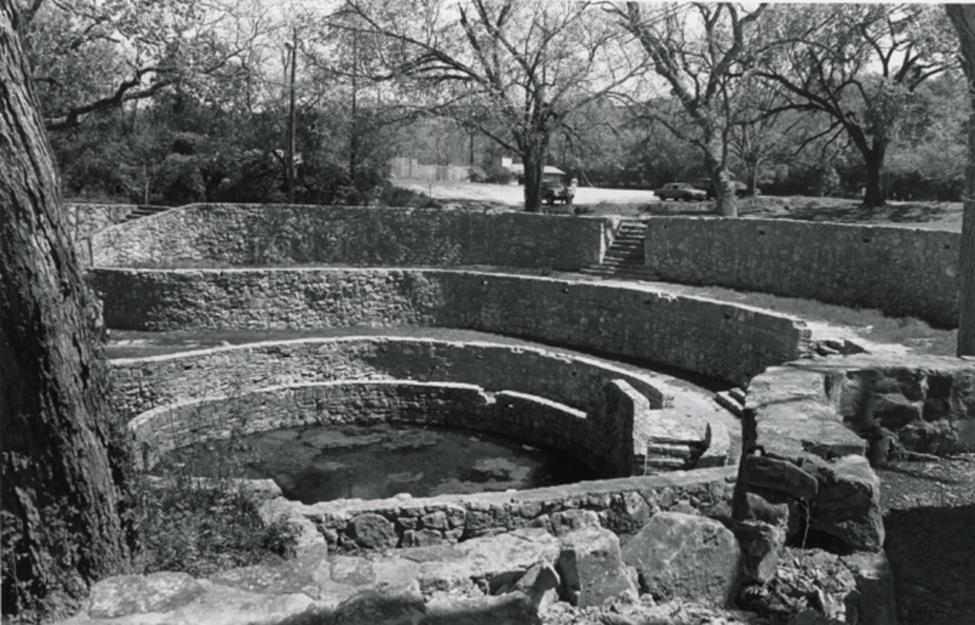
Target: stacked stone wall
<point>591,438</point>
<point>901,271</point>
<point>143,383</point>
<point>84,220</point>
<point>261,235</point>
<point>709,337</point>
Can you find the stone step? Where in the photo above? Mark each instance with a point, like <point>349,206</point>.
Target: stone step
<point>738,394</point>
<point>729,403</point>
<point>666,463</point>
<point>670,450</point>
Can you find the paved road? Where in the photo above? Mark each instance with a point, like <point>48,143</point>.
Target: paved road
<point>513,195</point>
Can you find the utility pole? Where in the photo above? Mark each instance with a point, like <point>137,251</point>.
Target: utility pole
<point>290,175</point>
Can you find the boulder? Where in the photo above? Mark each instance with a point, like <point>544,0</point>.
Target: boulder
<point>875,582</point>
<point>760,546</point>
<point>686,556</point>
<point>782,477</point>
<point>569,520</point>
<point>848,504</point>
<point>383,606</point>
<point>592,568</point>
<point>513,608</point>
<point>373,531</point>
<point>541,584</point>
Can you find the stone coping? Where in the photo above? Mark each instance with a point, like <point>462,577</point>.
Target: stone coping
<point>629,321</point>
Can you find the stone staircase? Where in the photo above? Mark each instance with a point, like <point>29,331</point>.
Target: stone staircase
<point>145,210</point>
<point>732,400</point>
<point>624,259</point>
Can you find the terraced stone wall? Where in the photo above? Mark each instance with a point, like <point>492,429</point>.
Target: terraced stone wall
<point>694,334</point>
<point>143,383</point>
<point>260,235</point>
<point>901,271</point>
<point>603,439</point>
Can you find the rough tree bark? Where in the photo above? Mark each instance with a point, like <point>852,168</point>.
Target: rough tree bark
<point>62,463</point>
<point>963,18</point>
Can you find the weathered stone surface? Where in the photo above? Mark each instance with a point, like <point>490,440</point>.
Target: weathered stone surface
<point>592,568</point>
<point>760,546</point>
<point>292,576</point>
<point>134,594</point>
<point>382,606</point>
<point>682,555</point>
<point>541,583</point>
<point>422,538</point>
<point>779,476</point>
<point>569,520</point>
<point>513,608</point>
<point>848,504</point>
<point>373,531</point>
<point>894,411</point>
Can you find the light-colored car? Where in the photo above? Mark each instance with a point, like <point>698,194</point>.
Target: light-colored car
<point>681,191</point>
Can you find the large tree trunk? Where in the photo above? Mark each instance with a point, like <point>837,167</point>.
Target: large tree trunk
<point>963,18</point>
<point>876,194</point>
<point>61,460</point>
<point>533,153</point>
<point>725,202</point>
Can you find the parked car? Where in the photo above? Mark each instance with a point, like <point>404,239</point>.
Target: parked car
<point>681,191</point>
<point>555,188</point>
<point>741,189</point>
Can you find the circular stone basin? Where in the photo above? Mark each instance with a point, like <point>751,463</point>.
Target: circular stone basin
<point>321,463</point>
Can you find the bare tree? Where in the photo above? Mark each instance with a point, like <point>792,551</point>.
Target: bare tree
<point>963,18</point>
<point>89,56</point>
<point>700,51</point>
<point>62,464</point>
<point>859,64</point>
<point>514,70</point>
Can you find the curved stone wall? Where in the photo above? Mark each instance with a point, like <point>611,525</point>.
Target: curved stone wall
<point>256,235</point>
<point>607,438</point>
<point>713,338</point>
<point>143,383</point>
<point>901,271</point>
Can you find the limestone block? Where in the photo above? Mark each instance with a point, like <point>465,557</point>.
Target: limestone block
<point>134,594</point>
<point>422,538</point>
<point>779,476</point>
<point>292,576</point>
<point>760,546</point>
<point>513,608</point>
<point>848,504</point>
<point>592,569</point>
<point>569,520</point>
<point>383,606</point>
<point>541,583</point>
<point>373,531</point>
<point>686,556</point>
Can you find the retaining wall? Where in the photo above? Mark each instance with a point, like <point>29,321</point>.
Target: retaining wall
<point>604,438</point>
<point>901,271</point>
<point>143,383</point>
<point>256,235</point>
<point>84,220</point>
<point>713,338</point>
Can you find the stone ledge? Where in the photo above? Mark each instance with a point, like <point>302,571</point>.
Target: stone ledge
<point>702,335</point>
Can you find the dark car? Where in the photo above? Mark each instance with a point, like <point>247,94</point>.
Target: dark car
<point>681,191</point>
<point>555,188</point>
<point>741,189</point>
